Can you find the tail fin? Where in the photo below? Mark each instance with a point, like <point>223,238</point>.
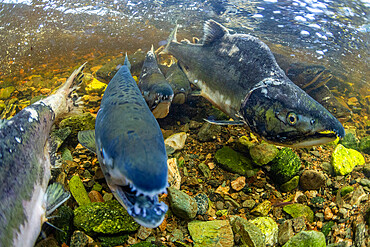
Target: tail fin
<point>171,38</point>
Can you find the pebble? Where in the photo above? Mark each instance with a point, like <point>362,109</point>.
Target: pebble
<point>95,196</point>
<point>220,205</point>
<point>144,232</point>
<point>328,214</point>
<point>312,180</point>
<point>249,204</point>
<point>238,184</point>
<point>107,196</point>
<point>299,224</point>
<point>182,205</point>
<point>262,209</point>
<point>208,132</point>
<point>250,234</point>
<point>78,191</point>
<point>174,177</point>
<point>365,182</point>
<point>269,228</point>
<point>202,203</point>
<point>80,239</point>
<point>211,233</point>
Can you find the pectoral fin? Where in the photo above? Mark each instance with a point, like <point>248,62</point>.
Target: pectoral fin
<point>87,139</point>
<point>225,122</point>
<point>55,196</point>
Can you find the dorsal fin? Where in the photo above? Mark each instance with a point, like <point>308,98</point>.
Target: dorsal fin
<point>213,31</point>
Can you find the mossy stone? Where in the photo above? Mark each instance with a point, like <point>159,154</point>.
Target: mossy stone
<point>250,234</point>
<point>290,185</point>
<point>263,153</point>
<point>346,190</point>
<point>345,159</point>
<point>297,210</point>
<point>326,228</point>
<point>110,241</point>
<point>211,233</point>
<point>365,145</point>
<point>77,123</point>
<point>78,191</point>
<point>269,228</point>
<point>307,239</point>
<point>63,221</point>
<point>234,162</point>
<point>285,166</point>
<point>349,141</point>
<point>104,218</point>
<point>95,86</point>
<point>5,93</point>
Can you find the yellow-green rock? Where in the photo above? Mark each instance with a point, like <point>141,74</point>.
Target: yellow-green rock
<point>269,228</point>
<point>78,191</point>
<point>262,209</point>
<point>95,86</point>
<point>345,159</point>
<point>211,233</point>
<point>297,210</point>
<point>5,93</point>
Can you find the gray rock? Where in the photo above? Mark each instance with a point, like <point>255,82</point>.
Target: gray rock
<point>358,195</point>
<point>290,185</point>
<point>360,233</point>
<point>208,132</point>
<point>285,232</point>
<point>80,239</point>
<point>202,202</point>
<point>176,235</point>
<point>328,168</point>
<point>211,233</point>
<point>205,170</point>
<point>299,224</point>
<point>182,205</point>
<point>312,180</point>
<point>307,238</point>
<point>250,234</point>
<point>365,182</point>
<point>366,170</point>
<point>249,204</point>
<point>263,153</point>
<point>144,232</point>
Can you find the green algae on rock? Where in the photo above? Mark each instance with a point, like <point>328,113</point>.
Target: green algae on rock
<point>78,191</point>
<point>263,153</point>
<point>110,241</point>
<point>250,234</point>
<point>290,185</point>
<point>262,209</point>
<point>182,205</point>
<point>327,228</point>
<point>77,123</point>
<point>234,162</point>
<point>285,166</point>
<point>64,222</point>
<point>345,159</point>
<point>307,239</point>
<point>95,86</point>
<point>346,190</point>
<point>269,228</point>
<point>211,233</point>
<point>5,93</point>
<point>297,210</point>
<point>104,218</point>
<point>349,141</point>
<point>364,145</point>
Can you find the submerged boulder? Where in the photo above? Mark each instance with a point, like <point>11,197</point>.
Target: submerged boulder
<point>307,239</point>
<point>211,233</point>
<point>285,166</point>
<point>345,159</point>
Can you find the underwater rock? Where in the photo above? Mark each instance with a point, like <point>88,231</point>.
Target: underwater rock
<point>234,162</point>
<point>307,238</point>
<point>104,218</point>
<point>285,166</point>
<point>5,93</point>
<point>175,142</point>
<point>297,210</point>
<point>77,123</point>
<point>349,141</point>
<point>205,170</point>
<point>263,153</point>
<point>285,232</point>
<point>345,159</point>
<point>364,145</point>
<point>358,196</point>
<point>365,182</point>
<point>48,242</point>
<point>202,203</point>
<point>250,234</point>
<point>346,190</point>
<point>211,233</point>
<point>238,184</point>
<point>290,185</point>
<point>174,177</point>
<point>64,221</point>
<point>312,180</point>
<point>326,229</point>
<point>262,209</point>
<point>208,132</point>
<point>78,191</point>
<point>80,239</point>
<point>95,86</point>
<point>269,229</point>
<point>144,232</point>
<point>58,136</point>
<point>95,196</point>
<point>109,241</point>
<point>366,170</point>
<point>182,205</point>
<point>66,154</point>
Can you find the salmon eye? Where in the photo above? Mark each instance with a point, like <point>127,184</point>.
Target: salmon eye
<point>292,118</point>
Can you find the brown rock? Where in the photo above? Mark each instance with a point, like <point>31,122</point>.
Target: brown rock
<point>312,180</point>
<point>328,214</point>
<point>238,184</point>
<point>95,196</point>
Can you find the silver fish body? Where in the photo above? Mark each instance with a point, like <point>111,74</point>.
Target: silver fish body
<point>239,74</point>
<point>25,167</point>
<point>131,150</point>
